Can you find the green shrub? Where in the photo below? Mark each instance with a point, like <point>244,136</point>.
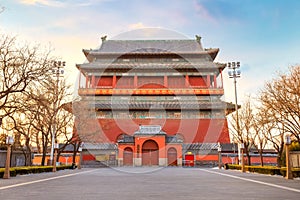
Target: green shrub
<point>272,170</point>
<point>33,169</point>
<point>295,172</point>
<point>12,172</point>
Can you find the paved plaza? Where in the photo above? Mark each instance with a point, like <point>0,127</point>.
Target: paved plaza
<point>148,183</point>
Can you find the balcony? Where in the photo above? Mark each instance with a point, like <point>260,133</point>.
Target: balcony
<point>158,91</point>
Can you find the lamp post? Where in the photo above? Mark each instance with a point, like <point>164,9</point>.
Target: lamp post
<point>219,155</point>
<point>80,155</point>
<point>289,174</point>
<point>235,73</point>
<point>57,71</point>
<point>242,157</point>
<point>9,142</point>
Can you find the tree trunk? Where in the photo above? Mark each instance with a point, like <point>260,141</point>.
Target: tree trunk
<point>261,157</point>
<point>44,153</point>
<point>28,160</point>
<point>43,158</point>
<point>247,155</point>
<point>74,153</point>
<point>58,154</point>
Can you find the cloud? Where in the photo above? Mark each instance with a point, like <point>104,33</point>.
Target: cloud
<point>51,3</point>
<point>136,26</point>
<point>60,3</point>
<point>203,11</point>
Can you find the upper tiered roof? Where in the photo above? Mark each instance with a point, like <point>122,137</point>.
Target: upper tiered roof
<point>150,46</point>
<point>121,47</point>
<point>122,54</point>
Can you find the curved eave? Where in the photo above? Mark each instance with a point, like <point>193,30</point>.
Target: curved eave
<point>88,55</point>
<point>132,65</point>
<point>221,66</point>
<point>212,52</point>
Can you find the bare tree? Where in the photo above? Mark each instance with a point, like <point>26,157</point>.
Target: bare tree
<point>243,133</point>
<point>19,66</point>
<point>260,127</point>
<point>282,97</point>
<point>30,89</point>
<point>86,125</point>
<point>45,105</point>
<point>274,133</point>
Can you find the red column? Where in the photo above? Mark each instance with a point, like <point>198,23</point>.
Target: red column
<point>87,82</point>
<point>114,81</point>
<point>187,81</point>
<point>93,81</point>
<point>215,81</point>
<point>135,81</point>
<point>208,81</point>
<point>221,78</point>
<point>166,81</point>
<point>79,84</point>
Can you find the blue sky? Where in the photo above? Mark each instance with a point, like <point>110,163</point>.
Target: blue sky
<point>262,34</point>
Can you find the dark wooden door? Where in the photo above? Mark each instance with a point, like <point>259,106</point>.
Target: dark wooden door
<point>128,157</point>
<point>150,154</point>
<point>172,157</point>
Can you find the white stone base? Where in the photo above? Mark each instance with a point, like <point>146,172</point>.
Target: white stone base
<point>163,162</point>
<point>137,162</point>
<point>120,162</point>
<point>179,161</point>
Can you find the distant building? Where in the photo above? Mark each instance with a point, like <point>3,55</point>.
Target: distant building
<point>154,99</point>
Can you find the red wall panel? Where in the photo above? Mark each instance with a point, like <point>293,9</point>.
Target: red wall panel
<point>176,82</point>
<point>193,130</point>
<point>103,81</point>
<point>125,82</point>
<point>197,81</point>
<point>150,81</point>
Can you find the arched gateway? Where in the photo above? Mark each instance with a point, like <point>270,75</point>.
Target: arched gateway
<point>149,146</point>
<point>172,157</point>
<point>150,153</point>
<point>128,157</point>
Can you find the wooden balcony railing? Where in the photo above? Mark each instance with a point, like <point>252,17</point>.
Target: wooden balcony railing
<point>162,91</point>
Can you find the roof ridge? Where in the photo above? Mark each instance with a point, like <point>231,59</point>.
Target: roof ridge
<point>151,40</point>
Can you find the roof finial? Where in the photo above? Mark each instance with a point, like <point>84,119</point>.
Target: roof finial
<point>103,38</point>
<point>198,38</point>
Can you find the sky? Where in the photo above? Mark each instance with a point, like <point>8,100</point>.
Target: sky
<point>264,35</point>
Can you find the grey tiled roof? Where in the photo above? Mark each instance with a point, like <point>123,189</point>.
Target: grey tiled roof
<point>202,64</point>
<point>200,146</point>
<point>99,146</point>
<point>149,130</point>
<point>165,105</point>
<point>150,46</point>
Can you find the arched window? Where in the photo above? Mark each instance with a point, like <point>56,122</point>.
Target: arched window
<point>120,137</point>
<point>180,137</point>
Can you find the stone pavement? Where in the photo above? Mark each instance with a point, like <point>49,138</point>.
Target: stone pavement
<point>149,183</point>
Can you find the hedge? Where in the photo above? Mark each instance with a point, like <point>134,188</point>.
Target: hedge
<point>272,170</point>
<point>14,171</point>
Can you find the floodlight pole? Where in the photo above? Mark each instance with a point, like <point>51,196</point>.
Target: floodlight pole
<point>58,65</point>
<point>235,73</point>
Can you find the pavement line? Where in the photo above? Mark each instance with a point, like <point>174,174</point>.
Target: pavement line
<point>43,180</point>
<point>254,181</point>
